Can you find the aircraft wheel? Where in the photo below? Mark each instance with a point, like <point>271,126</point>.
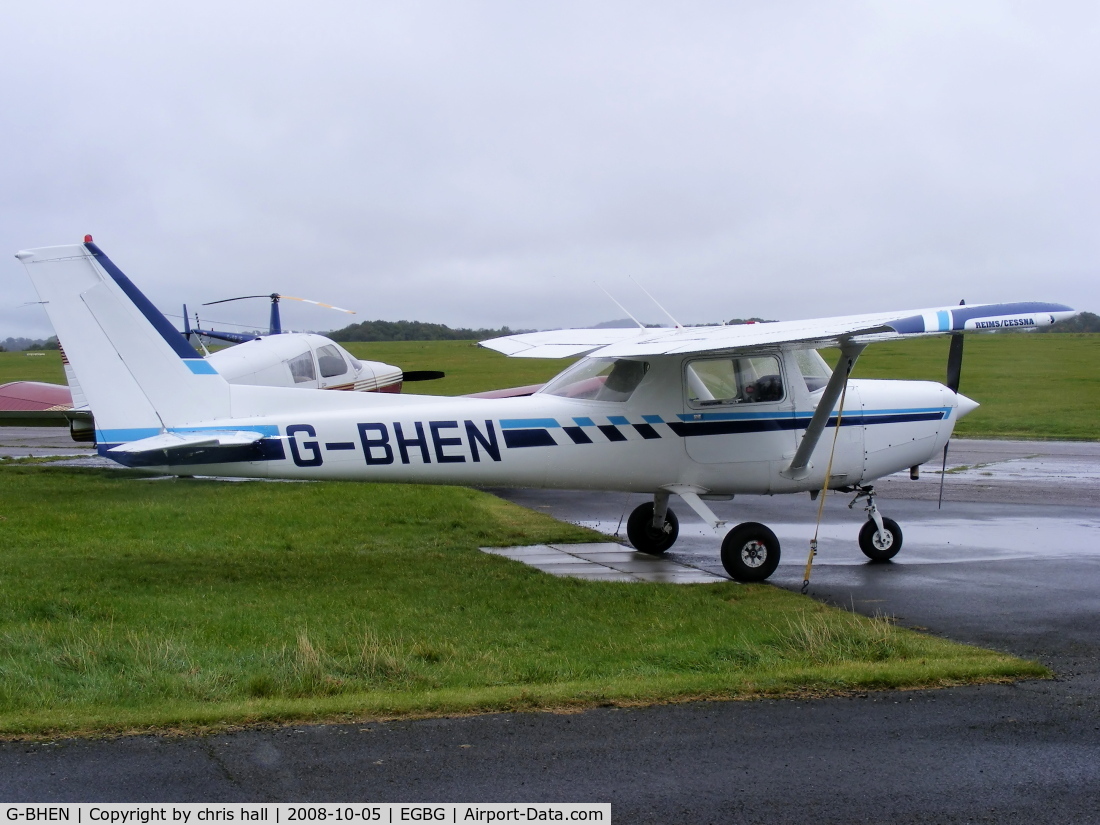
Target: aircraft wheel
<point>640,530</point>
<point>750,552</point>
<point>880,548</point>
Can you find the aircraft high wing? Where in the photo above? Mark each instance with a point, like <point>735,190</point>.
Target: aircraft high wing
<point>815,333</point>
<point>698,413</point>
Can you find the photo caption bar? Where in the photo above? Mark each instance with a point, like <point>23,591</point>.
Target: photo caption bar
<point>193,813</point>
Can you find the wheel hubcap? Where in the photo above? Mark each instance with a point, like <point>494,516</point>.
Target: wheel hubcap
<point>883,540</point>
<point>754,554</point>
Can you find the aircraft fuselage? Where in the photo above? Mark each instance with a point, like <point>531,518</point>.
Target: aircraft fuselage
<point>656,438</point>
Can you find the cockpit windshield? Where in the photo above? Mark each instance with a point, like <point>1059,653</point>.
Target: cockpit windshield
<point>599,379</point>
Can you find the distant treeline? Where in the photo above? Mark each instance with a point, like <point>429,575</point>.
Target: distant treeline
<point>20,344</point>
<point>414,331</point>
<point>420,331</point>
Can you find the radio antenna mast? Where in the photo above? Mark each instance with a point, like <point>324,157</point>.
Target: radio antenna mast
<point>620,306</point>
<point>658,303</point>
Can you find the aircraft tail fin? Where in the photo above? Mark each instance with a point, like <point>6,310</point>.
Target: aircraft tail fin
<point>157,381</point>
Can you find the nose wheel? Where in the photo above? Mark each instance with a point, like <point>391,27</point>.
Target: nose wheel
<point>880,537</point>
<point>880,545</point>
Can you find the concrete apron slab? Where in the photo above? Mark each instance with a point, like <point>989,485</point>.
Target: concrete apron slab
<point>605,561</point>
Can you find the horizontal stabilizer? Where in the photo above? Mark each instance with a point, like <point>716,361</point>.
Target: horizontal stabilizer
<point>205,438</point>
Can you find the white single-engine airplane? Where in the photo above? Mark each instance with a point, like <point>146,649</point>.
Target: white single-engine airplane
<point>702,413</point>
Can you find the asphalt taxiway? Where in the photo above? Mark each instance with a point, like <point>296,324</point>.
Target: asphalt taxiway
<point>1011,562</point>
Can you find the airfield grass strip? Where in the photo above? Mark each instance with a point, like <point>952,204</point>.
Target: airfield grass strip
<point>1030,385</point>
<point>130,603</point>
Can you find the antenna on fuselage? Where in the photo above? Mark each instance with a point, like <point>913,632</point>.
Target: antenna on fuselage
<point>620,306</point>
<point>677,324</point>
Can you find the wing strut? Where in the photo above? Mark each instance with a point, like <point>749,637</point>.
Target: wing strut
<point>849,352</point>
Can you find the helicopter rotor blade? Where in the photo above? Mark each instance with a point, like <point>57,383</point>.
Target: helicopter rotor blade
<point>240,298</point>
<point>320,304</point>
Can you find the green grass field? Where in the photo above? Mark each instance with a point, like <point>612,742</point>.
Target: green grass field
<point>1029,386</point>
<point>129,603</point>
<point>23,366</point>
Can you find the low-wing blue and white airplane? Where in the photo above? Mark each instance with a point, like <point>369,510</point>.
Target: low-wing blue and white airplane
<point>701,413</point>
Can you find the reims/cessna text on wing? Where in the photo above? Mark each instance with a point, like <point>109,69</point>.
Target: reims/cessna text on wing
<point>699,413</point>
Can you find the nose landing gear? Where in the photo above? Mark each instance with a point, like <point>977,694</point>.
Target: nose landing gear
<point>880,537</point>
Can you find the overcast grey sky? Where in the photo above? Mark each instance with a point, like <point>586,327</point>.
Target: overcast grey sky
<point>482,163</point>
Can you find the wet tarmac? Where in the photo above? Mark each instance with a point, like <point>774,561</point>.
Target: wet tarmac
<point>1011,562</point>
<point>36,442</point>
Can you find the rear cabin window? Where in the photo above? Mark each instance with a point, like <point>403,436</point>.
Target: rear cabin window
<point>815,372</point>
<point>746,380</point>
<point>330,361</point>
<point>301,367</point>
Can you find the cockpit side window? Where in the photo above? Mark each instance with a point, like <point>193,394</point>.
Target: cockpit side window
<point>716,382</point>
<point>599,379</point>
<point>301,368</point>
<point>330,361</point>
<point>815,372</point>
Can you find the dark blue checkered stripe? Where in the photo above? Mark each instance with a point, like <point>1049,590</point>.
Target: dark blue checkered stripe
<point>581,430</point>
<point>538,432</point>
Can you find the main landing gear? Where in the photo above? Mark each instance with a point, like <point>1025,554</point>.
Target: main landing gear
<point>750,551</point>
<point>651,531</point>
<point>653,528</point>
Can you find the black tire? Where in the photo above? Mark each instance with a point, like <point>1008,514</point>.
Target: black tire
<point>640,531</point>
<point>876,549</point>
<point>750,552</point>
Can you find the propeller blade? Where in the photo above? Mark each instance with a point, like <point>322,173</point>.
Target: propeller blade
<point>422,375</point>
<point>955,362</point>
<point>954,376</point>
<point>318,303</point>
<point>943,474</point>
<point>955,359</point>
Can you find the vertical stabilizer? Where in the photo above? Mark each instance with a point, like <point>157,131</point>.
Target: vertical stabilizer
<point>156,381</point>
